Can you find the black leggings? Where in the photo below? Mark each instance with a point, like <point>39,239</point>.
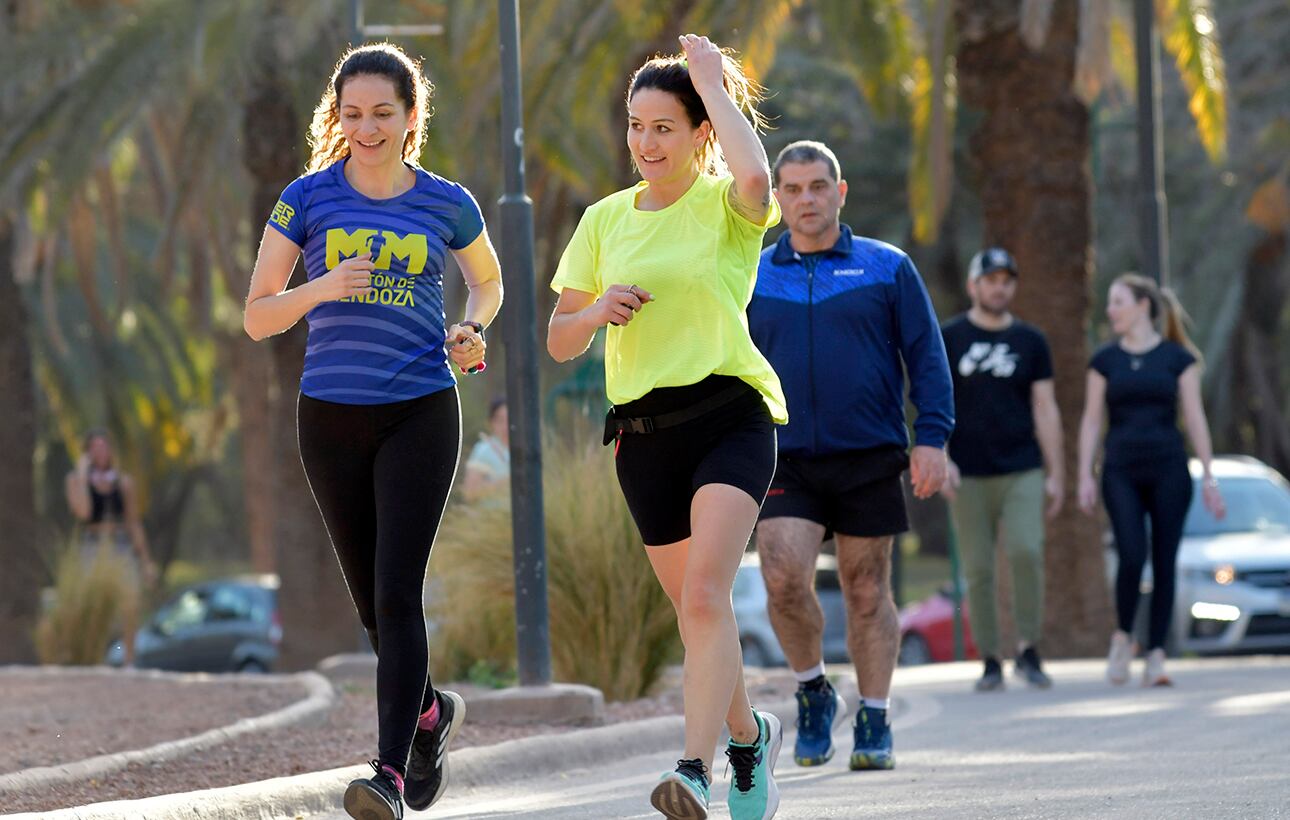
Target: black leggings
<point>1161,490</point>
<point>381,475</point>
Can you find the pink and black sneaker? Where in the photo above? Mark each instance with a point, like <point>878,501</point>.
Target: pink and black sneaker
<point>428,763</point>
<point>379,797</point>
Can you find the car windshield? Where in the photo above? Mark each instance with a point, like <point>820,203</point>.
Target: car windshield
<point>1253,505</point>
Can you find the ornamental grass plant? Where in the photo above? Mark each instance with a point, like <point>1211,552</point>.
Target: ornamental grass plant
<point>612,626</point>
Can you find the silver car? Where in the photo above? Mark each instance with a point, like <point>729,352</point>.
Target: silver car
<point>757,637</point>
<point>1233,587</point>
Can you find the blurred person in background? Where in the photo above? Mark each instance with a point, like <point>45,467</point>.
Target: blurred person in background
<point>1005,460</point>
<point>378,416</point>
<point>843,318</point>
<point>488,468</point>
<point>670,263</point>
<point>1138,380</point>
<point>103,499</point>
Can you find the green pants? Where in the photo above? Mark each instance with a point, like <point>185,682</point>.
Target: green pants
<point>1014,501</point>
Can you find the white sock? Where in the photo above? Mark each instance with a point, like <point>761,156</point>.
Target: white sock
<point>876,703</point>
<point>810,674</point>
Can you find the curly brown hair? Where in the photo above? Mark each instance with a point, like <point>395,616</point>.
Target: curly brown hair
<point>326,139</point>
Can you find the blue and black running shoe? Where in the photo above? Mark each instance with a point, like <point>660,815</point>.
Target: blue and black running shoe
<point>873,741</point>
<point>819,712</point>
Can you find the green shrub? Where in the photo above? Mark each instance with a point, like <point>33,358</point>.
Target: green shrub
<point>612,626</point>
<point>92,601</point>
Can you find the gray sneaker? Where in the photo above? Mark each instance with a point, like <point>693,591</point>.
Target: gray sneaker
<point>1028,668</point>
<point>992,679</point>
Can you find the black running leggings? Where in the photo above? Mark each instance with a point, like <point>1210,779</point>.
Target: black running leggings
<point>1162,491</point>
<point>381,475</point>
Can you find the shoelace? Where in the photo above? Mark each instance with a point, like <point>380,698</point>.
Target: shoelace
<point>693,769</point>
<point>386,782</point>
<point>743,759</point>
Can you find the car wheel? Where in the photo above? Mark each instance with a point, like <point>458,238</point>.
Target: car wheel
<point>914,650</point>
<point>253,667</point>
<point>754,653</point>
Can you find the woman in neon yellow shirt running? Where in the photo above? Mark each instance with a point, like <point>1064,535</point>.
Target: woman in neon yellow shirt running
<point>670,264</point>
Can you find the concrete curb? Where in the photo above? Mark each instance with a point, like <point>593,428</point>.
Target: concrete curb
<point>319,699</point>
<point>302,795</point>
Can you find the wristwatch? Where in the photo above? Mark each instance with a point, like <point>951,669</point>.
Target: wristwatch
<point>478,328</point>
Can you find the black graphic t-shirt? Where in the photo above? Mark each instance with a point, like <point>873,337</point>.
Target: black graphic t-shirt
<point>994,429</point>
<point>1142,402</point>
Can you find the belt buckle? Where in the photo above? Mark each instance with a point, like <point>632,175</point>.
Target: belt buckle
<point>642,425</point>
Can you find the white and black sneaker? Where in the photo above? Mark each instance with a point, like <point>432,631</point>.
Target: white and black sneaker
<point>428,763</point>
<point>378,797</point>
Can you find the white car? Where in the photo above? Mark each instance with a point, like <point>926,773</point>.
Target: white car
<point>757,637</point>
<point>1233,588</point>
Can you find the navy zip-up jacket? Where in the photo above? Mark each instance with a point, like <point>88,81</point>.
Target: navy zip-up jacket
<point>836,326</point>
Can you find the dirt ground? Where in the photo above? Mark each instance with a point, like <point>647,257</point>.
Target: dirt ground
<point>48,719</point>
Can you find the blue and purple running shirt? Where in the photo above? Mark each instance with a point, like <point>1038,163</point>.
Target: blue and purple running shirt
<point>388,345</point>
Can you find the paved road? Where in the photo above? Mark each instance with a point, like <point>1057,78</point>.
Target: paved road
<point>1216,745</point>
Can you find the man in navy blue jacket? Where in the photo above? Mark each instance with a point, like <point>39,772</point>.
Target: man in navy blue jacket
<point>842,318</point>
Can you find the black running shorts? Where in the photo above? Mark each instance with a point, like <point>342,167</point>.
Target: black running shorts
<point>660,472</point>
<point>855,493</point>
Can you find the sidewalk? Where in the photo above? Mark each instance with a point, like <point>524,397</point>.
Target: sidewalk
<point>1081,749</point>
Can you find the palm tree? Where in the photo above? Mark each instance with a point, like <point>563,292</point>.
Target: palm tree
<point>24,574</point>
<point>1017,64</point>
<point>110,66</point>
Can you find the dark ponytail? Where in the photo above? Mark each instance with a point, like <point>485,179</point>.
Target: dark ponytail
<point>672,74</point>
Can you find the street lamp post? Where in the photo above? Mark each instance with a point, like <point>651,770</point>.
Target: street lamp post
<point>1153,222</point>
<point>519,328</point>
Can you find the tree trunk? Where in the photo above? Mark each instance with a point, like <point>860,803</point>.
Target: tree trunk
<point>1260,417</point>
<point>1030,155</point>
<point>23,574</point>
<point>318,618</point>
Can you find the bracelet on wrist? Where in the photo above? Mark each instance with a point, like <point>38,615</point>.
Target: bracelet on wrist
<point>470,323</point>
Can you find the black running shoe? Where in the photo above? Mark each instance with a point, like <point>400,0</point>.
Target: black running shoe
<point>428,763</point>
<point>1027,667</point>
<point>992,678</point>
<point>377,797</point>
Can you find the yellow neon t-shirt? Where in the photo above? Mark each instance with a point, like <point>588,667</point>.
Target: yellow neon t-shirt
<point>698,258</point>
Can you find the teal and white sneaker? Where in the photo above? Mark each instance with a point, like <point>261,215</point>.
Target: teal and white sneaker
<point>682,794</point>
<point>753,793</point>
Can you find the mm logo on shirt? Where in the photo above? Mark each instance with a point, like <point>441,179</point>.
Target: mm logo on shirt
<point>849,272</point>
<point>388,245</point>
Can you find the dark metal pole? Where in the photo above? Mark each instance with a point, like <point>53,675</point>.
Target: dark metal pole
<point>519,329</point>
<point>1153,222</point>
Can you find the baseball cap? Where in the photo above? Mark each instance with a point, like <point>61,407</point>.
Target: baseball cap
<point>991,259</point>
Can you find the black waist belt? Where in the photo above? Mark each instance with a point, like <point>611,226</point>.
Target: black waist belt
<point>616,426</point>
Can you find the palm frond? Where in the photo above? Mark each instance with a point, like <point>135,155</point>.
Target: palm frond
<point>879,42</point>
<point>1191,36</point>
<point>934,103</point>
<point>1093,69</point>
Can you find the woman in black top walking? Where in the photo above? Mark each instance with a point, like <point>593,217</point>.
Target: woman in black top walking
<point>1140,379</point>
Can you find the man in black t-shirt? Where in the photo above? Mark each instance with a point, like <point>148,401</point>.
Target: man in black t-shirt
<point>1008,434</point>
